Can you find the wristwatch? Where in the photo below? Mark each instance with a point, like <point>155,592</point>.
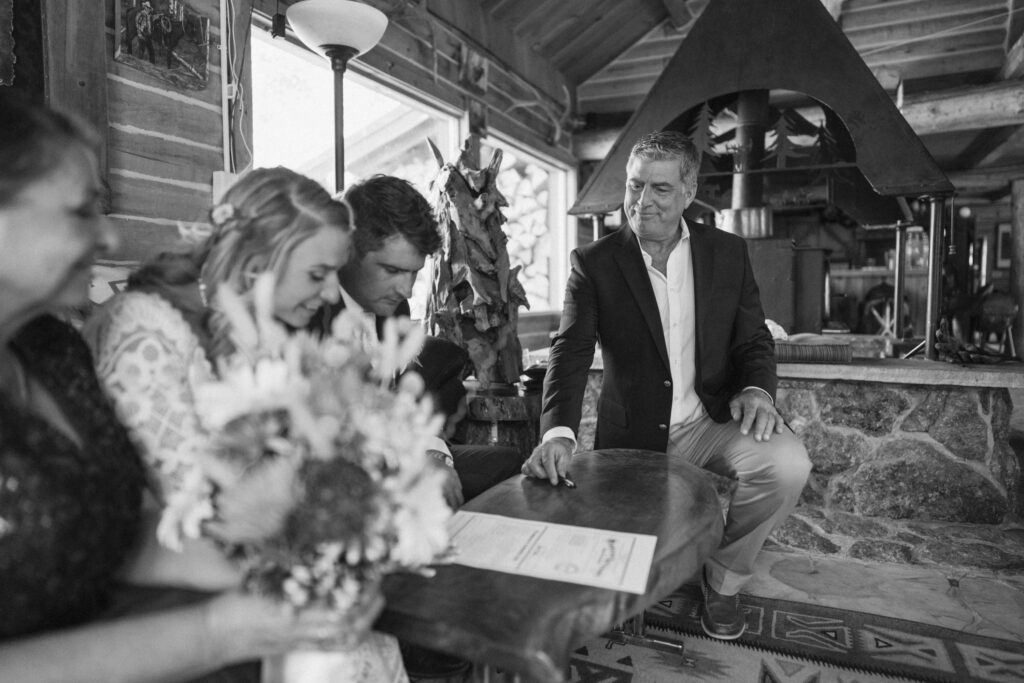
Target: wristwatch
<point>446,458</point>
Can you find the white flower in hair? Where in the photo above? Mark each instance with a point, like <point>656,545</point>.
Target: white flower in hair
<point>222,213</point>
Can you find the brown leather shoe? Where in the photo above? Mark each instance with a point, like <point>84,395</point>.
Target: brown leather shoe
<point>721,616</point>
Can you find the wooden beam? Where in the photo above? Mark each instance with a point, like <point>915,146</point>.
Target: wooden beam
<point>937,30</point>
<point>622,26</point>
<point>983,145</point>
<point>888,13</point>
<point>593,145</point>
<point>679,14</point>
<point>1000,104</point>
<point>984,179</point>
<point>989,58</point>
<point>485,33</point>
<point>1013,67</point>
<point>834,7</point>
<point>1015,25</point>
<point>1017,258</point>
<point>987,37</point>
<point>75,62</point>
<point>976,108</point>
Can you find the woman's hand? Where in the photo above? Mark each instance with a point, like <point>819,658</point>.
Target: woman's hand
<point>245,626</point>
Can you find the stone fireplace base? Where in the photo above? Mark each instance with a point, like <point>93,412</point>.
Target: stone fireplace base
<point>909,466</point>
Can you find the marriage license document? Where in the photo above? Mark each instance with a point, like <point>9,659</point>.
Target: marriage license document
<point>592,557</point>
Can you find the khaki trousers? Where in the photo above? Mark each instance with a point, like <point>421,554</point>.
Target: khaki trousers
<point>770,476</point>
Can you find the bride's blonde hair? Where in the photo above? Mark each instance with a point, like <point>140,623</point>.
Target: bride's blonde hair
<point>254,229</point>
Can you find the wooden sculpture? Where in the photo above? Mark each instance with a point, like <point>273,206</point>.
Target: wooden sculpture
<point>475,294</point>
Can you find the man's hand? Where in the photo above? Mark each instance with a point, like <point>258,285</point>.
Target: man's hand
<point>550,460</point>
<point>754,411</point>
<point>452,486</point>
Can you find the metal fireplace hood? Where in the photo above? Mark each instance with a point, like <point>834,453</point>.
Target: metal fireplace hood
<point>795,45</point>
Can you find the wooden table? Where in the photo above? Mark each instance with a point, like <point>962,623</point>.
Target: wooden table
<point>530,626</point>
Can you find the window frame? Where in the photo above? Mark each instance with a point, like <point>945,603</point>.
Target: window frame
<point>561,191</point>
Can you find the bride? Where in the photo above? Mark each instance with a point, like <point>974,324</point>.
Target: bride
<point>157,341</point>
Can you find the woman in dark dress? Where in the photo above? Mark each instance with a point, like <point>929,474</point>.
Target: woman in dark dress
<point>70,481</point>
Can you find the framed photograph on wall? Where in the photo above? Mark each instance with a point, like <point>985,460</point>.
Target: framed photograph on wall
<point>1004,245</point>
<point>167,39</point>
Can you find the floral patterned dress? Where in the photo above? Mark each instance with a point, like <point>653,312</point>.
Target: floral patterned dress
<point>68,514</point>
<point>150,362</point>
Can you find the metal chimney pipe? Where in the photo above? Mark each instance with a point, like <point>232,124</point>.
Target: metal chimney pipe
<point>752,114</point>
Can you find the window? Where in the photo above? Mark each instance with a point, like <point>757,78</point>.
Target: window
<point>386,131</point>
<point>538,227</point>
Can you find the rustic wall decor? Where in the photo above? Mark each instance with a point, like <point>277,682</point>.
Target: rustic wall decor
<point>167,39</point>
<point>475,294</point>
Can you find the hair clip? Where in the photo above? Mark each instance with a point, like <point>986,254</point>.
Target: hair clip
<point>222,213</point>
<point>194,233</point>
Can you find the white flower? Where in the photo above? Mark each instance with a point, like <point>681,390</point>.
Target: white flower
<point>245,389</point>
<point>420,520</point>
<point>222,213</point>
<point>305,399</point>
<point>401,343</point>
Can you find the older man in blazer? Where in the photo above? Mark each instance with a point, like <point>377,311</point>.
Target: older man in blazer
<point>689,364</point>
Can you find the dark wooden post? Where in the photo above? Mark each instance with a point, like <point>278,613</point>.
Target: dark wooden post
<point>1017,259</point>
<point>934,299</point>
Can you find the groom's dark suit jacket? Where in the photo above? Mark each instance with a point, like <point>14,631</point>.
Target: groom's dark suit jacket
<point>609,299</point>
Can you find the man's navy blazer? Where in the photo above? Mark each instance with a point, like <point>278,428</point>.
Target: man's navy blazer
<point>609,299</point>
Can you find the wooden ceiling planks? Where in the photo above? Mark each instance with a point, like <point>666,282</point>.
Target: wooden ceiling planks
<point>859,15</point>
<point>929,30</point>
<point>609,34</point>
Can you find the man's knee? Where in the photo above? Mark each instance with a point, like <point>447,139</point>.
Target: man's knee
<point>792,464</point>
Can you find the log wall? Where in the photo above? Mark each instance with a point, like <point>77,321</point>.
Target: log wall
<point>164,144</point>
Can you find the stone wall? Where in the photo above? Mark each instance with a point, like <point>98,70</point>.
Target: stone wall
<point>901,473</point>
<point>929,453</point>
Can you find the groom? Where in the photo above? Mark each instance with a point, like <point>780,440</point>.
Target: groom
<point>395,232</point>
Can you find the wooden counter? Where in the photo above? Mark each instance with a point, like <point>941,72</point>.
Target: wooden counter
<point>910,371</point>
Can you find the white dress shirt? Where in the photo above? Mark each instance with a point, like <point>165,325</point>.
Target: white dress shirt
<point>436,442</point>
<point>674,294</point>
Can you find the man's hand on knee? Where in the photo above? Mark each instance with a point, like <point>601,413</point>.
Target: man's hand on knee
<point>550,460</point>
<point>757,416</point>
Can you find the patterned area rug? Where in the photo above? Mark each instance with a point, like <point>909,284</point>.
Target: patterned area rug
<point>788,641</point>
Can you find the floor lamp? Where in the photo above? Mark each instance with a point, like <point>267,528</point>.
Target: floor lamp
<point>338,30</point>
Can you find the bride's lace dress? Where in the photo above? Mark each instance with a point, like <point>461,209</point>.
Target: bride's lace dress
<point>150,362</point>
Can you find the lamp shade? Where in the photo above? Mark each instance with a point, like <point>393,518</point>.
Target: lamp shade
<point>320,24</point>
